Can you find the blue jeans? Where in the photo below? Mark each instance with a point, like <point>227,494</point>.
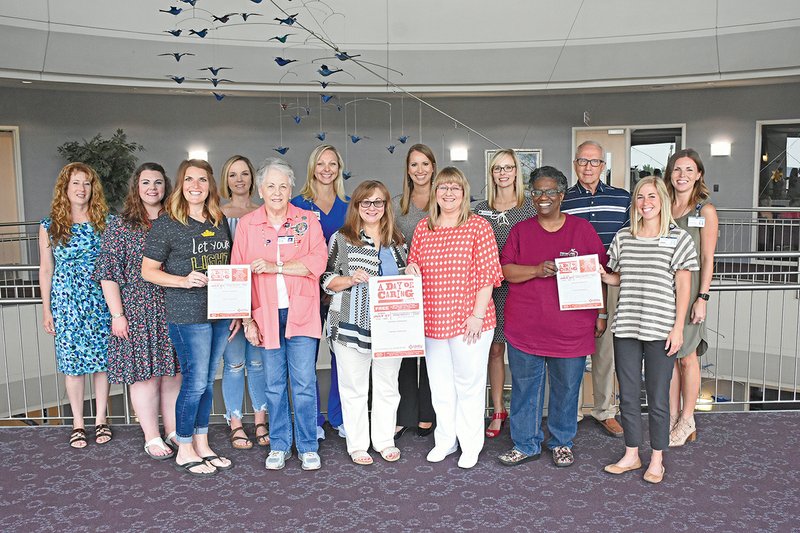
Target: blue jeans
<point>295,357</point>
<point>334,402</point>
<point>239,355</point>
<point>527,399</point>
<point>199,348</point>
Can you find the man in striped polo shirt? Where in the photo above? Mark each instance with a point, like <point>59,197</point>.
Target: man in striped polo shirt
<point>607,208</point>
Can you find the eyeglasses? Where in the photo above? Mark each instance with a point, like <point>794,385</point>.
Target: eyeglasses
<point>551,193</point>
<point>582,162</point>
<point>497,169</point>
<point>451,188</point>
<point>365,204</point>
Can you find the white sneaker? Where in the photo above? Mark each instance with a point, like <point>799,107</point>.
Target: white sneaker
<point>276,459</point>
<point>311,461</point>
<point>438,454</point>
<point>467,460</point>
<point>342,432</point>
<point>320,433</point>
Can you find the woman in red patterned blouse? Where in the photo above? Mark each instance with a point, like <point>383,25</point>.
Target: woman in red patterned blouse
<point>456,254</point>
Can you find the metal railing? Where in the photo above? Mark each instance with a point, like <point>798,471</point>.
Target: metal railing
<point>753,360</point>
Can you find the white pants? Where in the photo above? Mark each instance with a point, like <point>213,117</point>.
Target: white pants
<point>353,367</point>
<point>457,373</point>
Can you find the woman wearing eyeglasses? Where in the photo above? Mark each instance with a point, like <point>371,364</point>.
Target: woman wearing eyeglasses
<point>505,206</point>
<point>369,244</point>
<point>455,252</point>
<point>542,339</point>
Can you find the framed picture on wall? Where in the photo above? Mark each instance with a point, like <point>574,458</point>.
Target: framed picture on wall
<point>529,158</point>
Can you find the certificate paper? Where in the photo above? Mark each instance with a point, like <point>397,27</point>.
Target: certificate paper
<point>395,304</point>
<point>579,285</point>
<point>229,291</point>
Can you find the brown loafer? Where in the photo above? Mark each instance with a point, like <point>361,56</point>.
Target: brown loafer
<point>617,470</point>
<point>612,427</point>
<point>654,478</point>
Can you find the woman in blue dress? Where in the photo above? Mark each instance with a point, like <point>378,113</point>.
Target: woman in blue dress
<point>73,308</point>
<point>323,194</point>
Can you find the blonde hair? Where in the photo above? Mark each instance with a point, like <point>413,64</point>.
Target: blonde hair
<point>665,216</point>
<point>453,176</point>
<point>519,187</point>
<point>408,183</point>
<point>177,207</point>
<point>309,190</point>
<point>225,190</point>
<point>60,231</point>
<point>353,223</point>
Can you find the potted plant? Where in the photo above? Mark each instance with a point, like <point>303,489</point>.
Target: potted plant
<point>113,159</point>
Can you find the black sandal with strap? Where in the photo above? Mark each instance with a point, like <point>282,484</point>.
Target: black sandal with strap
<point>262,440</point>
<point>100,431</point>
<point>240,443</point>
<point>78,435</point>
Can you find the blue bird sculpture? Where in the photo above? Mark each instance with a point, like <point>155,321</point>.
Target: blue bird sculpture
<point>190,2</point>
<point>297,119</point>
<point>174,33</point>
<point>391,148</point>
<point>291,19</point>
<point>281,149</point>
<point>321,135</point>
<point>216,81</point>
<point>326,98</point>
<point>177,79</point>
<point>172,10</point>
<point>218,96</point>
<point>214,70</point>
<point>325,71</point>
<point>202,33</point>
<point>403,139</point>
<point>176,55</point>
<point>355,138</point>
<point>280,38</point>
<point>224,18</point>
<point>344,56</point>
<point>347,174</point>
<point>283,62</point>
<point>245,16</point>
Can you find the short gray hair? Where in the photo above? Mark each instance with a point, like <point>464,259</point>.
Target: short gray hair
<point>274,163</point>
<point>589,143</point>
<point>552,173</point>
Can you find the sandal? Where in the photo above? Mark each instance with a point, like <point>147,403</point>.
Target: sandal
<point>170,441</point>
<point>158,442</point>
<point>187,467</point>
<point>391,454</point>
<point>102,431</point>
<point>361,458</point>
<point>211,458</point>
<point>77,437</point>
<point>262,440</point>
<point>239,442</point>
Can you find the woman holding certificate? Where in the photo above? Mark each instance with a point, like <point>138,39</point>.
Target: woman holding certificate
<point>455,252</point>
<point>648,325</point>
<point>369,244</point>
<point>285,248</point>
<point>177,252</point>
<point>542,339</point>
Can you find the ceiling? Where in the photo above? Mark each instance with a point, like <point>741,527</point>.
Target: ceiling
<point>420,46</point>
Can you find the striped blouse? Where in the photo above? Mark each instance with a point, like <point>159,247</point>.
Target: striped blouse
<point>647,266</point>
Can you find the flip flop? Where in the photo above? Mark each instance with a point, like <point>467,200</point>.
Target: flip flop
<point>262,440</point>
<point>209,458</point>
<point>102,430</point>
<point>159,443</point>
<point>78,435</point>
<point>187,467</point>
<point>391,454</point>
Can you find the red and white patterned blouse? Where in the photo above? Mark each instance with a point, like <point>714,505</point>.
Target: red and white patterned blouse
<point>455,264</point>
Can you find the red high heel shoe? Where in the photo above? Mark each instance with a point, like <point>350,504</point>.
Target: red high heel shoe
<point>502,417</point>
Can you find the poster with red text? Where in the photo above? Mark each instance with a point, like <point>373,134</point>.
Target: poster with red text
<point>579,285</point>
<point>228,291</point>
<point>395,304</point>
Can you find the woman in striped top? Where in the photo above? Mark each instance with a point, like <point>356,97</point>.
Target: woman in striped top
<point>651,262</point>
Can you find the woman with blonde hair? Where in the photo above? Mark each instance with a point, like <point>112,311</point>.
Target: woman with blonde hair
<point>237,185</point>
<point>369,244</point>
<point>455,252</point>
<point>192,235</point>
<point>692,211</point>
<point>73,308</point>
<point>410,207</point>
<point>323,195</point>
<point>504,207</point>
<point>649,322</point>
<point>140,352</point>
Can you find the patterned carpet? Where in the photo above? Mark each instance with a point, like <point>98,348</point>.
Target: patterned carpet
<point>743,474</point>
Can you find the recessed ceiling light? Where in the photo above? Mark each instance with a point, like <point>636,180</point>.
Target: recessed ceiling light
<point>26,82</point>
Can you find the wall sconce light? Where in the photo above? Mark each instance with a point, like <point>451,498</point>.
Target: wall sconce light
<point>458,153</point>
<point>765,157</point>
<point>198,154</point>
<point>720,148</point>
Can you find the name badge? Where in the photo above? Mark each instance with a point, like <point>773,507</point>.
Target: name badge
<point>286,239</point>
<point>697,222</point>
<point>485,213</point>
<point>319,215</point>
<point>668,242</point>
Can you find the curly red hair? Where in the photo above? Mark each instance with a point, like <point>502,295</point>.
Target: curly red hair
<point>60,230</point>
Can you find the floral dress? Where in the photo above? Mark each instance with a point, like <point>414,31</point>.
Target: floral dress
<point>79,312</point>
<point>148,351</point>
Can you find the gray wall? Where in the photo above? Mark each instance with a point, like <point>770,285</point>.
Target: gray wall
<point>167,125</point>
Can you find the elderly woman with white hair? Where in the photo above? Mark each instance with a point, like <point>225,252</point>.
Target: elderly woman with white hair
<point>285,247</point>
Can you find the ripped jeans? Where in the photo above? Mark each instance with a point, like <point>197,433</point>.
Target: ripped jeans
<point>240,355</point>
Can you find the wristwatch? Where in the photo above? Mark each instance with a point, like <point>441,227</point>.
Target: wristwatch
<point>604,316</point>
<point>117,315</point>
<point>704,295</point>
<point>279,264</point>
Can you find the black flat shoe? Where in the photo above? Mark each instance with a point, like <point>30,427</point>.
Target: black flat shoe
<point>399,433</point>
<point>424,432</point>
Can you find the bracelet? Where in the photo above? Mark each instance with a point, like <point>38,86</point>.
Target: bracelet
<point>604,316</point>
<point>704,296</point>
<point>117,315</point>
<point>478,317</point>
